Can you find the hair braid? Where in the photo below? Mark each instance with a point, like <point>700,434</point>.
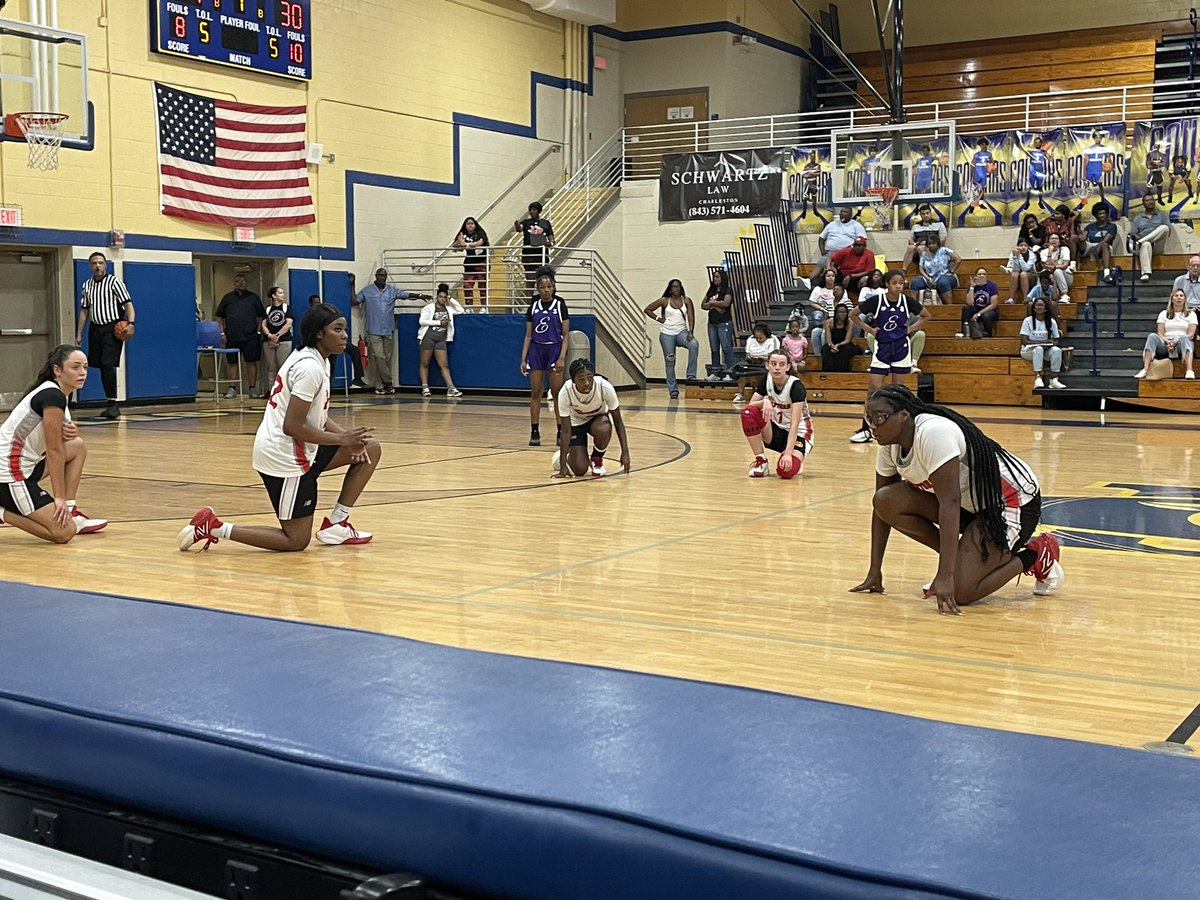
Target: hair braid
<point>983,461</point>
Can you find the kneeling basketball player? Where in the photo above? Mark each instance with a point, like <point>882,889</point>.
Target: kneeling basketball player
<point>295,443</point>
<point>588,411</point>
<point>777,418</point>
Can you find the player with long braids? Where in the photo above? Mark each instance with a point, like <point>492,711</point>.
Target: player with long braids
<point>945,484</point>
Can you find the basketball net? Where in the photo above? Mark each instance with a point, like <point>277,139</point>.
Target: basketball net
<point>43,132</point>
<point>883,201</point>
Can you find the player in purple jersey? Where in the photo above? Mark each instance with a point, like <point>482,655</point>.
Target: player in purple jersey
<point>545,349</point>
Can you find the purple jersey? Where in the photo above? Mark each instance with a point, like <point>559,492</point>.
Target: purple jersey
<point>547,321</point>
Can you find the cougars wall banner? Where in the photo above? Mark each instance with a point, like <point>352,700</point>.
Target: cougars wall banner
<point>1172,148</point>
<point>1037,174</point>
<point>930,165</point>
<point>726,185</point>
<point>808,189</point>
<point>1095,168</point>
<point>982,164</point>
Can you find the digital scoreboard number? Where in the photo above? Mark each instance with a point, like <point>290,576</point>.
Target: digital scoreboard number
<point>272,36</point>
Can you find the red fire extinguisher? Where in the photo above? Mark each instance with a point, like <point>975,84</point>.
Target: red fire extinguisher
<point>362,351</point>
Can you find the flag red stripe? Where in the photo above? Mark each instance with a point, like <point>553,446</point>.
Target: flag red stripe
<point>264,184</point>
<point>306,219</point>
<point>264,202</point>
<point>261,127</point>
<point>261,110</point>
<point>260,146</point>
<point>260,165</point>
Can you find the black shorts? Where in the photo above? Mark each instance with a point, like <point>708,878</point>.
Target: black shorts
<point>296,497</point>
<point>250,348</point>
<point>24,497</point>
<point>104,350</point>
<point>581,433</point>
<point>1154,178</point>
<point>778,441</point>
<point>1019,532</point>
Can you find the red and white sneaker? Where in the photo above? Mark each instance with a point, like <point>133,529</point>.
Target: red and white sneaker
<point>1045,568</point>
<point>598,470</point>
<point>85,525</point>
<point>758,469</point>
<point>200,530</point>
<point>342,533</point>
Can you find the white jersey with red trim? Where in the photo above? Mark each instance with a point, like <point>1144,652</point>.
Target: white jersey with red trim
<point>936,441</point>
<point>582,408</point>
<point>305,376</point>
<point>23,436</point>
<point>790,398</point>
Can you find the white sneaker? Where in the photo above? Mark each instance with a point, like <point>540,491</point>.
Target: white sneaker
<point>1189,374</point>
<point>1140,374</point>
<point>737,398</point>
<point>1010,300</point>
<point>483,311</point>
<point>1107,276</point>
<point>598,471</point>
<point>727,379</point>
<point>86,525</point>
<point>1056,384</point>
<point>1145,276</point>
<point>1038,383</point>
<point>425,392</point>
<point>231,394</point>
<point>959,334</point>
<point>758,468</point>
<point>453,393</point>
<point>1053,581</point>
<point>342,533</point>
<point>862,436</point>
<point>555,461</point>
<point>713,377</point>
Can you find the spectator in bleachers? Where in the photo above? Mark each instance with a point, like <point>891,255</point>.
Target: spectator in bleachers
<point>820,298</point>
<point>922,227</point>
<point>837,298</point>
<point>839,233</point>
<point>1173,338</point>
<point>873,287</point>
<point>982,309</point>
<point>677,319</point>
<point>855,262</point>
<point>1099,237</point>
<point>1022,269</point>
<point>1039,344</point>
<point>938,266</point>
<point>1189,283</point>
<point>718,300</point>
<point>759,346</point>
<point>1181,170</point>
<point>1147,233</point>
<point>837,341</point>
<point>1066,225</point>
<point>1046,290</point>
<point>795,345</point>
<point>1056,259</point>
<point>1032,232</point>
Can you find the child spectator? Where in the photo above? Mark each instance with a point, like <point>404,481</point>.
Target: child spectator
<point>795,345</point>
<point>759,346</point>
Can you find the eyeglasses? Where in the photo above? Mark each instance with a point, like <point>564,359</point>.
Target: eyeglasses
<point>878,418</point>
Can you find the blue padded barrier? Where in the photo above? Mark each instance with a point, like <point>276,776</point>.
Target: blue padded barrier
<point>548,780</point>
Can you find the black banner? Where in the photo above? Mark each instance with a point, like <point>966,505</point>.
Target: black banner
<point>727,185</point>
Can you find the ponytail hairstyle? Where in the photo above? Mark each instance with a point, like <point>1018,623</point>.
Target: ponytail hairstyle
<point>983,459</point>
<point>444,288</point>
<point>57,359</point>
<point>579,366</point>
<point>545,272</point>
<point>316,318</point>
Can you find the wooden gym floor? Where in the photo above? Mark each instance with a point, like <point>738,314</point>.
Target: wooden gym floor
<point>688,567</point>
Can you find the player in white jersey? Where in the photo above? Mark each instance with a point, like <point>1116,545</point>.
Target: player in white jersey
<point>295,443</point>
<point>587,406</point>
<point>937,476</point>
<point>777,418</point>
<point>38,439</point>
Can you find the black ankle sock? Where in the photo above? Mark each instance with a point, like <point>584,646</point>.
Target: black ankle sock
<point>1027,557</point>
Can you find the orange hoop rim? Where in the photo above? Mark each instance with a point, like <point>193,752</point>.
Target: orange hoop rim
<point>40,119</point>
<point>886,193</point>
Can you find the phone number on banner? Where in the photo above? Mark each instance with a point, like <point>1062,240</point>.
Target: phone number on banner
<point>722,210</point>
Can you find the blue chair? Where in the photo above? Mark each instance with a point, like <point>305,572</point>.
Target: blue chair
<point>208,343</point>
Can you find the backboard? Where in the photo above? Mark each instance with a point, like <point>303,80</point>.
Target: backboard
<point>916,157</point>
<point>44,69</point>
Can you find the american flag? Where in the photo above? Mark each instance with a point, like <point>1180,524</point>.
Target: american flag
<point>231,163</point>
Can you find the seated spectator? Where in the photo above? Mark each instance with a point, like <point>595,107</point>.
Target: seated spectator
<point>837,345</point>
<point>1046,290</point>
<point>1147,233</point>
<point>820,299</point>
<point>795,345</point>
<point>938,265</point>
<point>982,307</point>
<point>1098,239</point>
<point>922,227</point>
<point>1056,259</point>
<point>759,346</point>
<point>837,299</point>
<point>1032,232</point>
<point>1065,225</point>
<point>839,233</point>
<point>855,263</point>
<point>1189,283</point>
<point>873,287</point>
<point>1173,338</point>
<point>1039,344</point>
<point>1022,270</point>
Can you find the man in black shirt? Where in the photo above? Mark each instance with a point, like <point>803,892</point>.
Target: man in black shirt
<point>240,314</point>
<point>537,236</point>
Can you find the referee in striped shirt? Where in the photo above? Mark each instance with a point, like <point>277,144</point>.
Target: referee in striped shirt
<point>105,301</point>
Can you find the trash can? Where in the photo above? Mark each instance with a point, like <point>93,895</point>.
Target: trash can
<point>578,346</point>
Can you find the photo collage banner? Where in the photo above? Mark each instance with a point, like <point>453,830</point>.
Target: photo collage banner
<point>808,193</point>
<point>1163,163</point>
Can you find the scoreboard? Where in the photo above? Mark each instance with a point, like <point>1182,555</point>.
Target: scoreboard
<point>272,36</point>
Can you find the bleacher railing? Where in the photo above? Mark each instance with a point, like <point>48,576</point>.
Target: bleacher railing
<point>585,281</point>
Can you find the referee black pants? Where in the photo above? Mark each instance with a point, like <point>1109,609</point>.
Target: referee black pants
<point>104,353</point>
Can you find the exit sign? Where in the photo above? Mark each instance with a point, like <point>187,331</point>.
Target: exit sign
<point>10,217</point>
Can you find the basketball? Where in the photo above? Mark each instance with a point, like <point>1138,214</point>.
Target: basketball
<point>1048,146</point>
<point>753,421</point>
<point>123,330</point>
<point>1106,166</point>
<point>944,159</point>
<point>788,466</point>
<point>991,167</point>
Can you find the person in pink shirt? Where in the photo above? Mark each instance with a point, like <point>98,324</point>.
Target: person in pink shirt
<point>795,345</point>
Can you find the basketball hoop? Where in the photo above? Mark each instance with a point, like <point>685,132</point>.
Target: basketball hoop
<point>43,132</point>
<point>883,201</point>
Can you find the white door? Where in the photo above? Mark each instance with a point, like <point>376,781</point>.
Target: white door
<point>28,322</point>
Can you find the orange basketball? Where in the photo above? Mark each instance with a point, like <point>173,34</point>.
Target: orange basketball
<point>123,330</point>
<point>944,159</point>
<point>991,167</point>
<point>1048,146</point>
<point>1106,166</point>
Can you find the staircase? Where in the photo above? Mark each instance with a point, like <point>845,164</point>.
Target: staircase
<point>1171,64</point>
